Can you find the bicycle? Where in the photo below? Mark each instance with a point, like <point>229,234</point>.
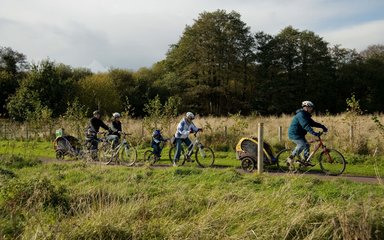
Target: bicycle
<point>150,157</point>
<point>124,153</point>
<point>331,161</point>
<point>205,157</point>
<point>87,152</point>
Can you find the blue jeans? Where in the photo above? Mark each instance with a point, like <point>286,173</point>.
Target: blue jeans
<point>114,139</point>
<point>157,149</point>
<point>301,144</point>
<point>178,147</point>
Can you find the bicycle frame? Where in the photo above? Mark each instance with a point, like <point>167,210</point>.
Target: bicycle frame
<point>317,147</point>
<point>195,143</point>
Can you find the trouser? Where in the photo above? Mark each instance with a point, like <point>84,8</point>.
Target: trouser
<point>179,141</point>
<point>301,144</point>
<point>156,149</point>
<point>114,139</point>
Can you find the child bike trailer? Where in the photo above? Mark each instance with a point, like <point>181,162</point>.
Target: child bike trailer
<point>246,152</point>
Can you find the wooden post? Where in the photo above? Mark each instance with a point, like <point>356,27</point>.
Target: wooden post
<point>280,134</point>
<point>260,153</point>
<point>351,135</point>
<point>142,130</point>
<point>225,131</point>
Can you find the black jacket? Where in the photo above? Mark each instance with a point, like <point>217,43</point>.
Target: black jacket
<point>96,123</point>
<point>116,128</point>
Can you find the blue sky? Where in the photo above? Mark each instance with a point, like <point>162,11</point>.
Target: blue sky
<point>100,34</point>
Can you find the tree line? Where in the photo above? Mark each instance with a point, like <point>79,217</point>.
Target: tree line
<point>217,67</point>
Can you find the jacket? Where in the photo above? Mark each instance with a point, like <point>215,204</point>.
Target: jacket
<point>302,123</point>
<point>184,128</point>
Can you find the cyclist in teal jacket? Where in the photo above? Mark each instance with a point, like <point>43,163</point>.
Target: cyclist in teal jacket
<point>302,123</point>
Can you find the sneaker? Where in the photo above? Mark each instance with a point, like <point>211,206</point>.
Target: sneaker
<point>290,161</point>
<point>308,163</point>
<point>174,164</point>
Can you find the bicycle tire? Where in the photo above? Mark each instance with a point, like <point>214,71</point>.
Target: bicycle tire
<point>105,153</point>
<point>332,162</point>
<point>281,160</point>
<point>128,155</point>
<point>172,152</point>
<point>205,157</point>
<point>248,164</point>
<point>149,157</point>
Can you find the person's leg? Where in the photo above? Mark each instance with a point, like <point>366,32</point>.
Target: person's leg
<point>114,139</point>
<point>156,149</point>
<point>178,150</point>
<point>301,144</point>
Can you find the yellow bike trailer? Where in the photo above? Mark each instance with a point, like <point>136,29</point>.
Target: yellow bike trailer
<point>246,152</point>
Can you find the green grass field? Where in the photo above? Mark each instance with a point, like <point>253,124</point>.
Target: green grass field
<point>88,201</point>
<point>357,165</point>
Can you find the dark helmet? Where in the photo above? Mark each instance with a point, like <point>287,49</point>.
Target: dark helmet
<point>156,133</point>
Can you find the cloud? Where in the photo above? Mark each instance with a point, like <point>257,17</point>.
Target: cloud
<point>357,37</point>
<point>133,34</point>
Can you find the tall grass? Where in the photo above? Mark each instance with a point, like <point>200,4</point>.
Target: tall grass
<point>76,201</point>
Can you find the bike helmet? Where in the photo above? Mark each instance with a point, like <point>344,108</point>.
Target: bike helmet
<point>156,133</point>
<point>116,115</point>
<point>190,115</point>
<point>307,104</point>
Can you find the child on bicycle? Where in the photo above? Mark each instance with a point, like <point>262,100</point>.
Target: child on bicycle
<point>184,128</point>
<point>302,123</point>
<point>157,138</point>
<point>115,130</point>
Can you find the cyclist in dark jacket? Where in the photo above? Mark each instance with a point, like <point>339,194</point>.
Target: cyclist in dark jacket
<point>115,129</point>
<point>302,123</point>
<point>94,126</point>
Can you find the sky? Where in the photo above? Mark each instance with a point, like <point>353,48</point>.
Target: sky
<point>104,34</point>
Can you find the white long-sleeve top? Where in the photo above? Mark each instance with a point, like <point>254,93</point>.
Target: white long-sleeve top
<point>184,128</point>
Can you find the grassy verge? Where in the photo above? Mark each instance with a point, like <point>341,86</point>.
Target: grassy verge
<point>357,165</point>
<point>79,201</point>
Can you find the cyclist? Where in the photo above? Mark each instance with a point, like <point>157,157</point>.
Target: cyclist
<point>302,123</point>
<point>184,128</point>
<point>114,135</point>
<point>157,138</point>
<point>93,128</point>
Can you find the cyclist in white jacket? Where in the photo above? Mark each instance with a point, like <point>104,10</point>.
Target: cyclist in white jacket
<point>184,128</point>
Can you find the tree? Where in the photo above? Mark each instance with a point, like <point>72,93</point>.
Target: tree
<point>211,62</point>
<point>99,91</point>
<point>294,65</point>
<point>12,67</point>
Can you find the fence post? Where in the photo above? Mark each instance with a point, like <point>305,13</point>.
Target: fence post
<point>280,134</point>
<point>260,146</point>
<point>225,131</point>
<point>351,135</point>
<point>142,130</point>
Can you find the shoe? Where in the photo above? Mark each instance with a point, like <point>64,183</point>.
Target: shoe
<point>174,164</point>
<point>290,161</point>
<point>308,163</point>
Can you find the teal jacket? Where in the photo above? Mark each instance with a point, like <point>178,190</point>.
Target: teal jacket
<point>302,123</point>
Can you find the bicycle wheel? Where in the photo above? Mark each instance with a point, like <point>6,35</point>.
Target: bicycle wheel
<point>128,155</point>
<point>172,152</point>
<point>105,153</point>
<point>332,162</point>
<point>281,160</point>
<point>149,157</point>
<point>205,156</point>
<point>248,164</point>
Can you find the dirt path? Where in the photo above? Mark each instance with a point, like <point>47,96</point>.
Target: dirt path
<point>359,179</point>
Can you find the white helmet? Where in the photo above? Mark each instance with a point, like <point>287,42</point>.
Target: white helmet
<point>190,115</point>
<point>307,104</point>
<point>116,115</point>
